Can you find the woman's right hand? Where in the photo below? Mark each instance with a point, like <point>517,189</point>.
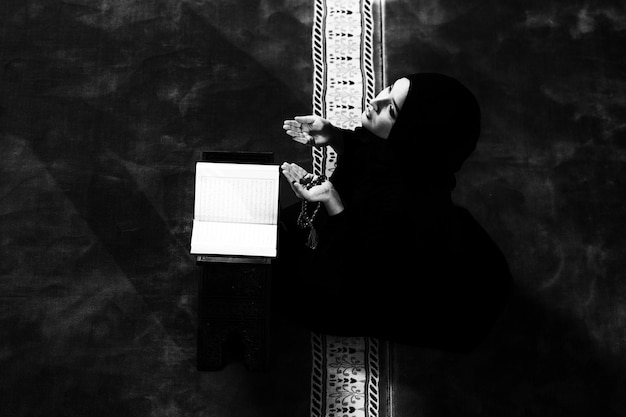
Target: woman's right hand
<point>311,130</point>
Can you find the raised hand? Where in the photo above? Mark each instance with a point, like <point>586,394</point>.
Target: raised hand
<point>310,130</point>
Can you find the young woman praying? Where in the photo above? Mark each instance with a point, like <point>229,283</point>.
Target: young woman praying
<point>389,254</point>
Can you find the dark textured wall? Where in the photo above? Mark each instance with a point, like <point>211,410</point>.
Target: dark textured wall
<point>547,181</point>
<point>106,105</point>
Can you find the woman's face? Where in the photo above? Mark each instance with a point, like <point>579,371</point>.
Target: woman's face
<point>381,113</point>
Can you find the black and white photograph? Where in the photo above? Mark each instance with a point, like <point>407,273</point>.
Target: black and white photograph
<point>312,208</point>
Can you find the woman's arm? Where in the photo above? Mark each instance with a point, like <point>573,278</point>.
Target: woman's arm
<point>333,203</point>
<point>314,131</point>
<point>324,192</point>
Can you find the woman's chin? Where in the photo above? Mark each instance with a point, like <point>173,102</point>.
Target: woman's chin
<point>365,121</point>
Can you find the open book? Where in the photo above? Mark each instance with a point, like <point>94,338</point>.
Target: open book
<point>236,209</point>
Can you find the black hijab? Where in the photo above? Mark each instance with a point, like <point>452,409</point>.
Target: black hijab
<point>403,183</point>
<point>436,130</point>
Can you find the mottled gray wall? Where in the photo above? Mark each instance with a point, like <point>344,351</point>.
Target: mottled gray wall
<point>547,180</point>
<point>106,105</point>
<point>548,174</point>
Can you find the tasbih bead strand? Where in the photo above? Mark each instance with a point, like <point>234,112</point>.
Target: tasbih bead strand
<point>304,220</point>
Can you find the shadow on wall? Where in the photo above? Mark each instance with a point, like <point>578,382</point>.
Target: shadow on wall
<point>119,133</point>
<point>537,362</point>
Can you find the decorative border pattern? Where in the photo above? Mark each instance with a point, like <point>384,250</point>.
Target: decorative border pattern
<point>345,377</point>
<point>318,377</point>
<point>345,370</point>
<point>343,68</point>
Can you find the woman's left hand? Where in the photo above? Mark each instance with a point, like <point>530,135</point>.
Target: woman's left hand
<point>298,177</point>
<point>324,192</point>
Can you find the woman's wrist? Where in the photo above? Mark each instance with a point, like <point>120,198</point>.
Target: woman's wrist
<point>333,203</point>
<point>336,139</point>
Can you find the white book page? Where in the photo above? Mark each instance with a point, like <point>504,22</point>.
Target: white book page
<point>232,201</point>
<point>246,239</point>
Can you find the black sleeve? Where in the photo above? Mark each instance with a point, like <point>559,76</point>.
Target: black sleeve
<point>340,177</point>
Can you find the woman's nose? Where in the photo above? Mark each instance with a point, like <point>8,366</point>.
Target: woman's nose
<point>378,102</point>
<point>375,103</point>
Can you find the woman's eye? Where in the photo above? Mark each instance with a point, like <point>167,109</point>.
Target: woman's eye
<point>392,112</point>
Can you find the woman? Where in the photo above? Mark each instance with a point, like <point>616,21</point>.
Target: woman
<point>396,259</point>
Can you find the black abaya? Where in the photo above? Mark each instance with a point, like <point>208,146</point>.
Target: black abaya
<point>401,262</point>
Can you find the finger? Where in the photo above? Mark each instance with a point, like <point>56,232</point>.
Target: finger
<point>293,133</point>
<point>296,168</point>
<point>292,124</point>
<point>299,171</point>
<point>294,182</point>
<point>300,139</point>
<point>299,189</point>
<point>292,175</point>
<point>288,174</point>
<point>286,168</point>
<point>305,119</point>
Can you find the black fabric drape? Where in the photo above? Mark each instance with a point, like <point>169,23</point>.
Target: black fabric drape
<point>424,273</point>
<point>401,262</point>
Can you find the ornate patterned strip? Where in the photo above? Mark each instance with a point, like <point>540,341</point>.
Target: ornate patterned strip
<point>319,77</point>
<point>369,83</point>
<point>373,372</point>
<point>343,78</point>
<point>346,373</point>
<point>346,377</point>
<point>318,400</point>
